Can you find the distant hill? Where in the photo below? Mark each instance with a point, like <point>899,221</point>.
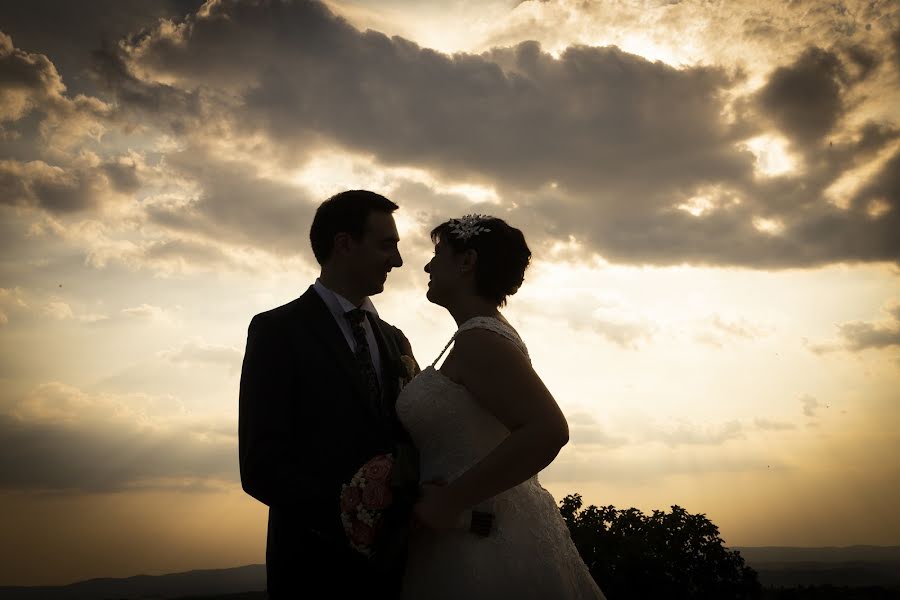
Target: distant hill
<point>837,566</point>
<point>824,555</point>
<point>210,582</point>
<point>777,566</point>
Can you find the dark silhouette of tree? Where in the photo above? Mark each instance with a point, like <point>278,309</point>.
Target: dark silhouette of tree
<point>673,555</point>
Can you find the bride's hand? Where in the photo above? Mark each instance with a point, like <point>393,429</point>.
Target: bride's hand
<point>435,511</point>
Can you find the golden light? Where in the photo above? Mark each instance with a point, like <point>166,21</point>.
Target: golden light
<point>473,192</point>
<point>770,226</point>
<point>878,208</point>
<point>851,181</point>
<point>697,206</point>
<point>772,155</point>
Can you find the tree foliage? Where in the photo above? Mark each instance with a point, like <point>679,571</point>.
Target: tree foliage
<point>673,555</point>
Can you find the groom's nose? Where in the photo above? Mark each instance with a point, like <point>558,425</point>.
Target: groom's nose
<point>396,259</point>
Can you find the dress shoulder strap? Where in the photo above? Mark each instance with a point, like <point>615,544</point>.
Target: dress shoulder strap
<point>491,324</point>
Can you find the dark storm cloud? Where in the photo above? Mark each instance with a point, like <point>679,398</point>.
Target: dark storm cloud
<point>27,81</point>
<point>884,186</point>
<point>805,99</point>
<point>123,176</point>
<point>142,102</point>
<point>598,143</point>
<point>895,40</point>
<point>101,458</point>
<point>37,184</point>
<point>66,32</point>
<point>237,206</point>
<point>864,59</point>
<point>517,114</point>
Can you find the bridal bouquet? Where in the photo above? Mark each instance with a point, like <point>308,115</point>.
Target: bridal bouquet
<point>364,500</point>
<point>377,504</point>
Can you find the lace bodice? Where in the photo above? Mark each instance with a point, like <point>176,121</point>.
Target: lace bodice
<point>529,553</point>
<point>450,428</point>
<point>500,326</point>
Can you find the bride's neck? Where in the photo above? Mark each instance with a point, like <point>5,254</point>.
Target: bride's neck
<point>466,308</point>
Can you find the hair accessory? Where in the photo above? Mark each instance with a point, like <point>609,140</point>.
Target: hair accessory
<point>468,226</point>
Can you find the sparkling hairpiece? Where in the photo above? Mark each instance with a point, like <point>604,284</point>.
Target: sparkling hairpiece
<point>468,226</point>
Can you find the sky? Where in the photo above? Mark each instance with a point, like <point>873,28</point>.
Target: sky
<point>710,189</point>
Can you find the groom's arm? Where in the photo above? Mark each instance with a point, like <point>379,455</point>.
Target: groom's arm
<point>270,447</point>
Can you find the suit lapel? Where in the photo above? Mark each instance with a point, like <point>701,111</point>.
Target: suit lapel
<point>390,357</point>
<point>318,319</point>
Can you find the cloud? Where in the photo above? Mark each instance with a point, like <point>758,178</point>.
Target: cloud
<point>861,336</point>
<point>609,316</point>
<point>47,25</point>
<point>236,205</point>
<point>625,334</point>
<point>589,140</point>
<point>895,42</point>
<point>651,466</point>
<point>696,434</point>
<point>11,300</point>
<point>770,425</point>
<point>856,336</point>
<point>585,144</point>
<point>804,99</point>
<point>146,311</point>
<point>31,83</point>
<point>58,190</point>
<point>58,310</point>
<point>197,351</point>
<point>718,329</point>
<point>584,430</point>
<point>751,33</point>
<point>28,79</point>
<point>810,405</point>
<point>61,438</point>
<point>462,114</point>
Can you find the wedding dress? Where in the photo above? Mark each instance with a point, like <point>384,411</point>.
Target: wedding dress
<point>529,553</point>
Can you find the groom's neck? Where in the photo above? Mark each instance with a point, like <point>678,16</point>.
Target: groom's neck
<point>341,286</point>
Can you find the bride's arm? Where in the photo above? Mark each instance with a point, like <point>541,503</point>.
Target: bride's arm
<point>502,380</point>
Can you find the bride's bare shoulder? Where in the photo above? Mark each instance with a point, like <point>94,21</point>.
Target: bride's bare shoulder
<point>486,346</point>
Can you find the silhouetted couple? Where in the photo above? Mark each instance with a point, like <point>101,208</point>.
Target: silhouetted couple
<point>327,386</point>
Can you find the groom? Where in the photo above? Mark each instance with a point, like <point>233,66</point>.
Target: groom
<point>319,381</point>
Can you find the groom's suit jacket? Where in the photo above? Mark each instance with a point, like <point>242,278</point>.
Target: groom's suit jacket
<point>306,424</point>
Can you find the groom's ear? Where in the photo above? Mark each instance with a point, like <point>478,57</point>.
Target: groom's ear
<point>342,242</point>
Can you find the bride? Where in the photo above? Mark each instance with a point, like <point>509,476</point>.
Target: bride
<point>485,425</point>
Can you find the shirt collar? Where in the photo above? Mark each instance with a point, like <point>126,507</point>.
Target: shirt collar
<point>338,305</point>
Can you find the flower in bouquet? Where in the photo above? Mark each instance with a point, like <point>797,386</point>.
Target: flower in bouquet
<point>364,500</point>
<point>407,368</point>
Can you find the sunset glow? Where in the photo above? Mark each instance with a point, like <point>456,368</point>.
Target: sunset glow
<point>709,189</point>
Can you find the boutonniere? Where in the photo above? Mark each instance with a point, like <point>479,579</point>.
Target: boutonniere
<point>407,369</point>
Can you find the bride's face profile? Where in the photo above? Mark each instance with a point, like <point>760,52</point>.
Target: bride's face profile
<point>444,271</point>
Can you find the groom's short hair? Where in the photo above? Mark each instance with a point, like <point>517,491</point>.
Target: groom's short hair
<point>345,212</point>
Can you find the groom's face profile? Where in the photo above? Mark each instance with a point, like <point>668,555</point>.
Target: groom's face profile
<point>374,254</point>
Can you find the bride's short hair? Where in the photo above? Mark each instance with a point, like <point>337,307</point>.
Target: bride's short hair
<point>502,253</point>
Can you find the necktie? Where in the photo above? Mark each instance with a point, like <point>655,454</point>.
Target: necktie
<point>363,354</point>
